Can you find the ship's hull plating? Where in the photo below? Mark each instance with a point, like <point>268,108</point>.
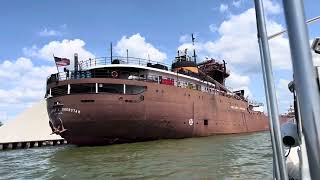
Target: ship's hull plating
<point>161,112</point>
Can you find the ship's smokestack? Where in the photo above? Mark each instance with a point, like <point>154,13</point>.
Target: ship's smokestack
<point>76,62</point>
<point>194,49</point>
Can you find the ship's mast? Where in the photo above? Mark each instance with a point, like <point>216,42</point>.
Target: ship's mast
<point>111,52</point>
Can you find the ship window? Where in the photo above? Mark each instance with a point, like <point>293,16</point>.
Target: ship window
<point>59,90</point>
<point>132,89</point>
<point>110,88</point>
<point>82,88</point>
<point>205,122</point>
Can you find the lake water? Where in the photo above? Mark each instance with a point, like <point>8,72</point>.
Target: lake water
<point>246,156</point>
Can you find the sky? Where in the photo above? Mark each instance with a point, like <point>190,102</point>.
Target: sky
<point>32,31</point>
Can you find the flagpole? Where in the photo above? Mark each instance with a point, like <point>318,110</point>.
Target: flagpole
<point>56,65</point>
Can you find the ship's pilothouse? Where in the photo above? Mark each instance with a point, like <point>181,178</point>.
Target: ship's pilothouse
<point>185,64</point>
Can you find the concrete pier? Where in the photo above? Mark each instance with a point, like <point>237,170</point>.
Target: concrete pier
<point>34,144</point>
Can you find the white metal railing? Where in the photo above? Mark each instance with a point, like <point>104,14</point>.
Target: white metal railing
<point>95,62</point>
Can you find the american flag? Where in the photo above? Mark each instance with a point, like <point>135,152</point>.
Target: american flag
<point>61,61</point>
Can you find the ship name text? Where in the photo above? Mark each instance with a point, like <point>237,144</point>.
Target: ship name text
<point>71,110</point>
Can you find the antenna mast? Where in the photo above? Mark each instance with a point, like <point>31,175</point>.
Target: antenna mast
<point>111,52</point>
<point>194,49</point>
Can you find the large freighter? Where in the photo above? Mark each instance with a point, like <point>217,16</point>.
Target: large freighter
<point>117,100</point>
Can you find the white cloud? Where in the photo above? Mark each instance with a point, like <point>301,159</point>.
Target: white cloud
<point>284,96</point>
<point>13,70</point>
<point>65,48</point>
<point>25,83</point>
<point>49,32</point>
<point>223,8</point>
<point>138,47</point>
<point>237,3</point>
<point>3,117</point>
<point>271,7</point>
<point>238,43</point>
<point>213,28</point>
<point>239,82</point>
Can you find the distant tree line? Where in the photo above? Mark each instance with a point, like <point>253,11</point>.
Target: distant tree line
<point>0,123</point>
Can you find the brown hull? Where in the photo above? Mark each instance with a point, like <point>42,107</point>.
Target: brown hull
<point>161,112</point>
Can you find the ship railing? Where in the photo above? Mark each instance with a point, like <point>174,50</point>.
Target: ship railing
<point>84,66</point>
<point>102,61</point>
<point>229,88</point>
<point>61,76</point>
<point>254,103</point>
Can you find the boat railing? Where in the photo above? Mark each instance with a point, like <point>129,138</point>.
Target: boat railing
<point>102,61</point>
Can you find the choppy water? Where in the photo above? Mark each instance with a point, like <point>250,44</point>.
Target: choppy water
<point>247,156</point>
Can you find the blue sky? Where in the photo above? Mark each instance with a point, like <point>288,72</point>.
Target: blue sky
<point>32,30</point>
